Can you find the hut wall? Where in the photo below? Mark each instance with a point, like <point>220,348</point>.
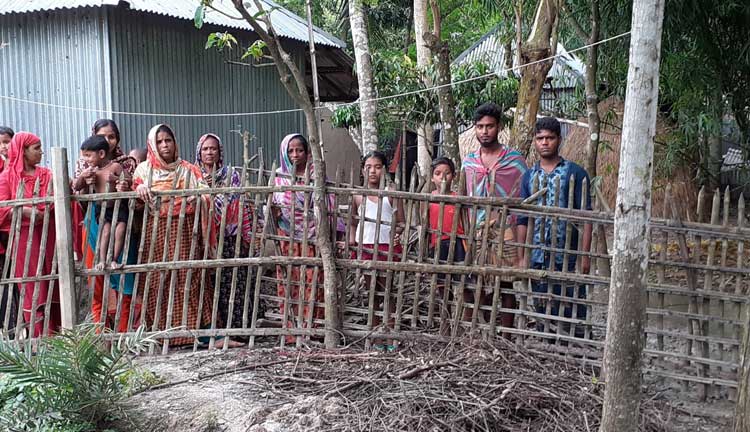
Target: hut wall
<point>56,58</point>
<point>160,65</point>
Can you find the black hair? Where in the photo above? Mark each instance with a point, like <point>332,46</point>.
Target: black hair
<point>375,154</point>
<point>95,143</point>
<point>488,109</point>
<point>4,130</point>
<point>547,123</point>
<point>303,140</point>
<point>102,123</point>
<point>167,129</point>
<point>444,161</point>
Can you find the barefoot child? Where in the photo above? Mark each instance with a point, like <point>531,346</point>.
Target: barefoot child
<point>366,211</point>
<point>103,171</point>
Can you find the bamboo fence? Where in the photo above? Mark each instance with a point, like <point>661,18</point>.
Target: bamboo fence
<point>402,289</point>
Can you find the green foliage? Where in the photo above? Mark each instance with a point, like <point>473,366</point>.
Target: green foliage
<point>255,50</point>
<point>73,382</point>
<point>398,74</point>
<point>200,14</point>
<point>220,40</point>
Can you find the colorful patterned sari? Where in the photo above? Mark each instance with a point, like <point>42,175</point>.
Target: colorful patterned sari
<point>169,298</point>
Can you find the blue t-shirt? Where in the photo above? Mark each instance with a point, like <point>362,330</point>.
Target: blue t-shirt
<point>562,172</point>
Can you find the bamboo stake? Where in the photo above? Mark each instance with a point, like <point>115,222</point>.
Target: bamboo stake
<point>141,245</point>
<point>9,266</point>
<point>25,271</point>
<point>402,275</point>
<point>421,234</point>
<point>174,274</point>
<point>267,224</point>
<point>237,250</point>
<point>300,318</point>
<point>252,252</point>
<point>164,257</point>
<point>125,257</point>
<point>40,266</point>
<point>435,260</point>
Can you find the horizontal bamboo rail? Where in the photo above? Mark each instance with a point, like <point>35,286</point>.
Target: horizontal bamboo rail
<point>697,294</point>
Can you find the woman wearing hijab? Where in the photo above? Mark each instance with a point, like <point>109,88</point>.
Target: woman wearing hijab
<point>24,156</point>
<point>209,157</point>
<point>164,170</point>
<point>90,232</point>
<point>295,158</point>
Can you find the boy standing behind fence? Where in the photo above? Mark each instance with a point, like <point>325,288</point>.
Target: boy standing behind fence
<point>549,170</point>
<point>102,171</point>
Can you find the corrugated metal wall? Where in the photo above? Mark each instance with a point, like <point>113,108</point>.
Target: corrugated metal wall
<point>159,65</point>
<point>56,57</point>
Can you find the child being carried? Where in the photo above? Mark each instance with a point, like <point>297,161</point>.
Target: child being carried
<point>103,171</point>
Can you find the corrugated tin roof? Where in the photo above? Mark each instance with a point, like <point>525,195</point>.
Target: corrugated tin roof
<point>566,72</point>
<point>285,22</point>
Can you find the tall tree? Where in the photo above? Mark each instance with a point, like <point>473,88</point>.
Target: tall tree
<point>541,44</point>
<point>446,104</point>
<point>590,80</point>
<point>293,81</point>
<point>424,58</point>
<point>627,296</point>
<point>368,106</point>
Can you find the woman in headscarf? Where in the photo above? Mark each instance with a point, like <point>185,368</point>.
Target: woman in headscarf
<point>294,156</point>
<point>24,156</point>
<point>164,170</point>
<point>90,232</point>
<point>209,157</point>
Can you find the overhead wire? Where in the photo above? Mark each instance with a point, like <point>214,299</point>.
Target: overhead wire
<point>295,110</point>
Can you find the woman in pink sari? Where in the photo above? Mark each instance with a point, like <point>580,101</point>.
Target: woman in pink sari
<point>24,156</point>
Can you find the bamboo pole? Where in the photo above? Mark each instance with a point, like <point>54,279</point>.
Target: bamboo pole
<point>64,237</point>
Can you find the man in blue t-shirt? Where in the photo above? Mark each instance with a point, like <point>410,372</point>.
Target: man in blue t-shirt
<point>555,173</point>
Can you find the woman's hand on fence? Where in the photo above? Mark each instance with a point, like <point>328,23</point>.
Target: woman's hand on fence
<point>144,192</point>
<point>122,186</point>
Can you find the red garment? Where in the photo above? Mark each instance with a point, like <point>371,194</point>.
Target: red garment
<point>300,284</point>
<point>10,179</point>
<point>449,212</point>
<point>2,164</point>
<point>368,249</point>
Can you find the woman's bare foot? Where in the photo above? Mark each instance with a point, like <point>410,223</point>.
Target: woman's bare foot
<point>230,343</point>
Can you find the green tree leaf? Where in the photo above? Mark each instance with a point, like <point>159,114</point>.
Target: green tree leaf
<point>200,14</point>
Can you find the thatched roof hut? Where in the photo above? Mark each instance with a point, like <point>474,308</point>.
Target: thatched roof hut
<point>684,192</point>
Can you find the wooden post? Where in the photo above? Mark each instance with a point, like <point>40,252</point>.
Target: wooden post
<point>64,237</point>
<point>742,409</point>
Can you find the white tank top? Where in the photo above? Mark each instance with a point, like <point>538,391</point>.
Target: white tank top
<point>369,210</point>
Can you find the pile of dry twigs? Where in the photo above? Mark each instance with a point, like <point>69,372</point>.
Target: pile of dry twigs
<point>467,386</point>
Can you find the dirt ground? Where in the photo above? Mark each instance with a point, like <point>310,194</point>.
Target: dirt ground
<point>230,391</point>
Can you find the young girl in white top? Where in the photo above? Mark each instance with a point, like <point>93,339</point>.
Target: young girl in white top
<point>375,238</point>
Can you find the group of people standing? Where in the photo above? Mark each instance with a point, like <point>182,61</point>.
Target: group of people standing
<point>493,170</point>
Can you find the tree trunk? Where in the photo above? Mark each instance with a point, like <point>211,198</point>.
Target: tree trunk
<point>508,59</point>
<point>627,296</point>
<point>424,56</point>
<point>592,98</point>
<point>446,103</point>
<point>294,83</point>
<point>368,107</point>
<point>538,46</point>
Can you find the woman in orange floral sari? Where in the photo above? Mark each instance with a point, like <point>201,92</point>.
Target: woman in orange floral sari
<point>164,170</point>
